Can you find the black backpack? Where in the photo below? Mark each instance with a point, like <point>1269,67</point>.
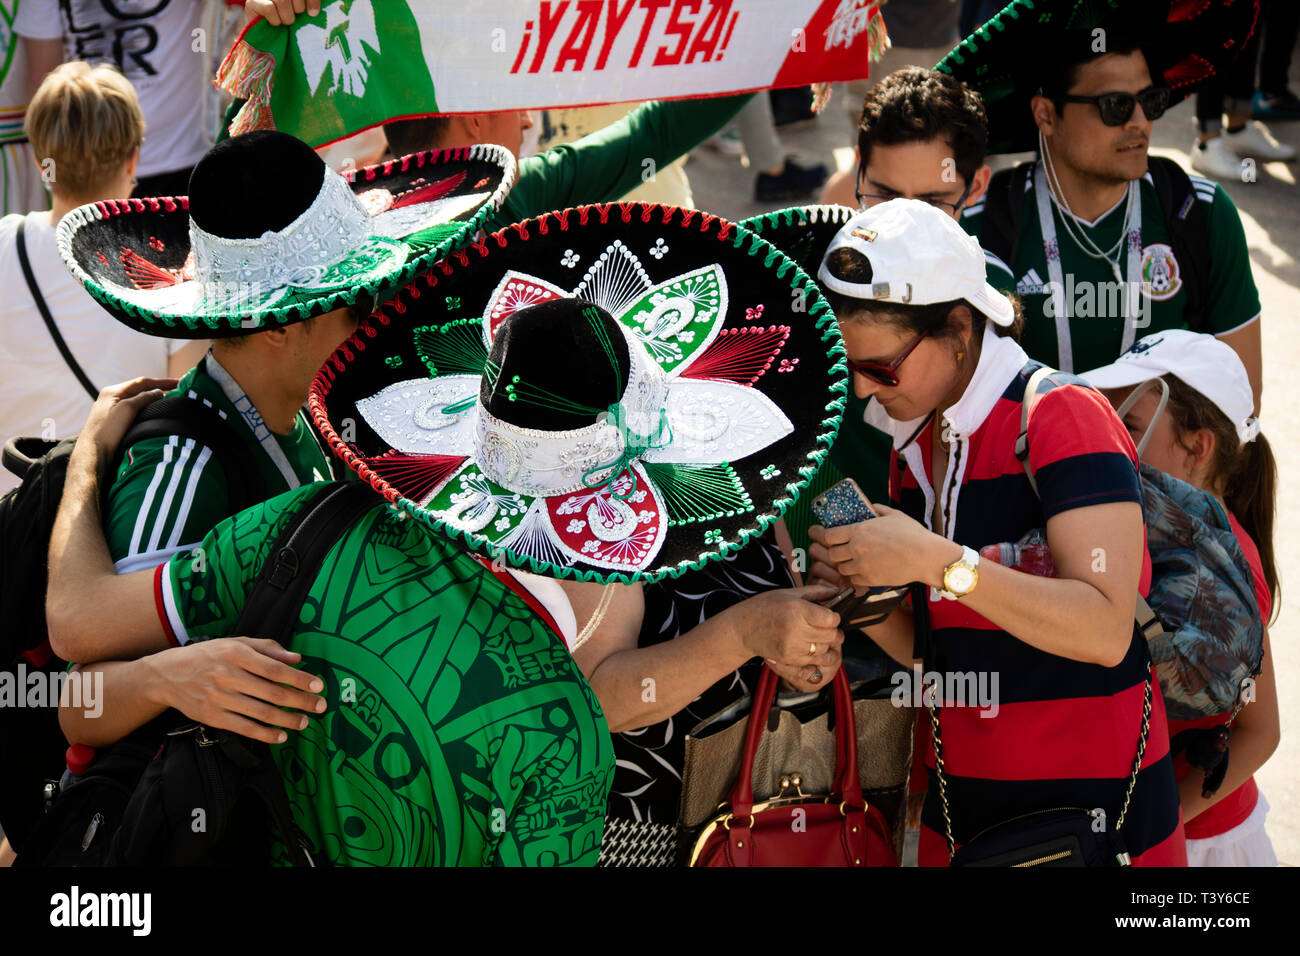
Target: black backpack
<point>1185,220</point>
<point>178,793</point>
<point>31,744</point>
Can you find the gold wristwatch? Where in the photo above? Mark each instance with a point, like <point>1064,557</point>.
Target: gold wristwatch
<point>960,577</point>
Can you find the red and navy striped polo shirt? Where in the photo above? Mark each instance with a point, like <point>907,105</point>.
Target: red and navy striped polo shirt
<point>1066,732</point>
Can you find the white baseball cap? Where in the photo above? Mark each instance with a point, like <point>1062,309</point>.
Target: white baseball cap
<point>1200,360</point>
<point>919,256</point>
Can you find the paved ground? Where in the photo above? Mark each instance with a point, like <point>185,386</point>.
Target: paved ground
<point>1270,211</point>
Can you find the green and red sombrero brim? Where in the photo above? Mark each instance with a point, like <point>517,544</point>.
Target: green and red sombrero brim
<point>1186,43</point>
<point>749,351</point>
<point>134,256</point>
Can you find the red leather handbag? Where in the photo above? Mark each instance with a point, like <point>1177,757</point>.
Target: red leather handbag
<point>836,829</point>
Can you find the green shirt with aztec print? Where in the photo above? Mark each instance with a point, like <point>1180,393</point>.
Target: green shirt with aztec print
<point>1096,322</point>
<point>458,730</point>
<point>170,491</point>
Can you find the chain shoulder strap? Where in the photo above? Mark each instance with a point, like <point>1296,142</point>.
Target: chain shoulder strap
<point>938,770</point>
<point>937,740</point>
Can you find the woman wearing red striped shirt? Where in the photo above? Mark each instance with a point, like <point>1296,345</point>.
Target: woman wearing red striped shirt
<point>1209,437</point>
<point>930,340</point>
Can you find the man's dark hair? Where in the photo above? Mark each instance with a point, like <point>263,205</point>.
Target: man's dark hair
<point>1061,71</point>
<point>416,135</point>
<point>915,105</point>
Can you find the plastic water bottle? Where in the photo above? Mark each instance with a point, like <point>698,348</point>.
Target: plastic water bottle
<point>1030,554</point>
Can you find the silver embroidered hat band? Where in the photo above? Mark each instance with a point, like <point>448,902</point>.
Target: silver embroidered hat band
<point>359,238</point>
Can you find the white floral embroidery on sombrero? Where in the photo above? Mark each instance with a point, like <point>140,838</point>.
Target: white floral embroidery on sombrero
<point>409,415</point>
<point>516,291</point>
<point>708,422</point>
<point>592,525</point>
<point>674,320</point>
<point>564,462</point>
<point>582,495</point>
<point>718,421</point>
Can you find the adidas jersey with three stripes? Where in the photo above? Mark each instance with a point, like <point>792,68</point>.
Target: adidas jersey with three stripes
<point>1096,317</point>
<point>172,491</point>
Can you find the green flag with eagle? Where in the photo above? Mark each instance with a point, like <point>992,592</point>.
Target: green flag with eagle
<point>327,71</point>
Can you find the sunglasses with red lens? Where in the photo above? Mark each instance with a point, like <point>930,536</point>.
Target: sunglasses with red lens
<point>886,374</point>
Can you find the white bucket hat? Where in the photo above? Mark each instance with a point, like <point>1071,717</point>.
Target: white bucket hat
<point>918,256</point>
<point>1200,360</point>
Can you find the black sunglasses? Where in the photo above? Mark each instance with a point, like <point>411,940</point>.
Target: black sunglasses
<point>1117,108</point>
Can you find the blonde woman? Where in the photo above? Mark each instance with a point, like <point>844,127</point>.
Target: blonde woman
<point>85,129</point>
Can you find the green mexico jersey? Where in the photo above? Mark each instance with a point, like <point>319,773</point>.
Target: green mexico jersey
<point>1093,299</point>
<point>171,491</point>
<point>459,731</point>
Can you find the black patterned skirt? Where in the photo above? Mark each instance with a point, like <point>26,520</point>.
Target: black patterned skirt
<point>641,824</point>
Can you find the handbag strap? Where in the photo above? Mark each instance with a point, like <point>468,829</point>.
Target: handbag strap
<point>847,784</point>
<point>49,319</point>
<point>943,786</point>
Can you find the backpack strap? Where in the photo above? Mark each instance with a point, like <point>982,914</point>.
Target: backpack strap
<point>1189,236</point>
<point>1022,440</point>
<point>190,418</point>
<point>44,310</point>
<point>290,568</point>
<point>1004,204</point>
<point>272,609</point>
<point>1148,621</point>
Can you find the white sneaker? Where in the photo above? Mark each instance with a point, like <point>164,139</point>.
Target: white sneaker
<point>728,142</point>
<point>1253,140</point>
<point>1216,158</point>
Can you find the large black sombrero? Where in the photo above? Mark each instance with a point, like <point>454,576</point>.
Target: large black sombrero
<point>1186,42</point>
<point>801,232</point>
<point>611,393</point>
<point>275,236</point>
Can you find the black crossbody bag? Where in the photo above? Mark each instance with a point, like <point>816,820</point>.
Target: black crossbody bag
<point>44,310</point>
<point>1062,836</point>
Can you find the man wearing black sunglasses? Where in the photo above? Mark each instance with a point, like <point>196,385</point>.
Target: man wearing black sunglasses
<point>1098,257</point>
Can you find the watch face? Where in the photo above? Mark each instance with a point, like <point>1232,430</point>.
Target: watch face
<point>960,580</point>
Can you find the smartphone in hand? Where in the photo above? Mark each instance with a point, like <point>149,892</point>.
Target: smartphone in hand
<point>844,503</point>
<point>840,504</point>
